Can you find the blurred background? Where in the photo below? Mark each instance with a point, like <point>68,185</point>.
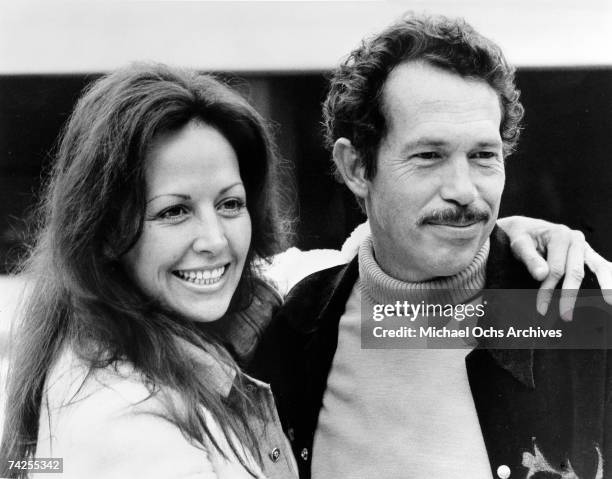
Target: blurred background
<point>279,53</point>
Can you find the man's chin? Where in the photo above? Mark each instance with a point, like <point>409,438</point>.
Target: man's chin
<point>451,261</point>
<point>451,270</point>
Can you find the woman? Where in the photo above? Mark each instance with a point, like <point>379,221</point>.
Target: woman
<point>160,202</point>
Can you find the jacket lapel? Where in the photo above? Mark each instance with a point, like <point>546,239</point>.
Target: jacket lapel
<point>297,351</point>
<point>320,347</point>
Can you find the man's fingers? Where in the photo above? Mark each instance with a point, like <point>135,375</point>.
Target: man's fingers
<point>574,262</point>
<point>557,249</point>
<point>567,303</point>
<point>524,249</point>
<point>544,296</point>
<point>603,271</point>
<point>574,274</point>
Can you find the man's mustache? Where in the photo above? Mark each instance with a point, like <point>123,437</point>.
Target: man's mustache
<point>459,215</point>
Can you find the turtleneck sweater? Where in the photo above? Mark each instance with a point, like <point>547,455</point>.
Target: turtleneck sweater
<point>406,413</point>
<point>380,288</point>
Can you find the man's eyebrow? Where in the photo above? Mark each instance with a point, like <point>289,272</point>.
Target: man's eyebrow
<point>176,195</point>
<point>424,143</point>
<point>439,143</point>
<point>489,144</point>
<point>427,142</point>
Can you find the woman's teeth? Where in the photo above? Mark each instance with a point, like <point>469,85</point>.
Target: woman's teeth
<point>203,276</point>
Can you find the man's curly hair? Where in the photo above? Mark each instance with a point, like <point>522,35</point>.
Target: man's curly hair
<point>353,108</point>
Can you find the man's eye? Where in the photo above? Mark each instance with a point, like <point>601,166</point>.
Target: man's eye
<point>428,155</point>
<point>173,213</point>
<point>232,206</point>
<point>484,155</point>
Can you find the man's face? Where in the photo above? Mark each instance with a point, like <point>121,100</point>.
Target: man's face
<point>440,172</point>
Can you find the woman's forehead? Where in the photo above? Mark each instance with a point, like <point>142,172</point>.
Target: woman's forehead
<point>195,157</point>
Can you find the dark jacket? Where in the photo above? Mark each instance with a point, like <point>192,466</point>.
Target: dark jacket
<point>531,404</point>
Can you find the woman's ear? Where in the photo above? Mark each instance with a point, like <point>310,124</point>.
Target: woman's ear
<point>350,167</point>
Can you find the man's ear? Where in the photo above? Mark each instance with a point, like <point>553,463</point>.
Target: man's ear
<point>350,167</point>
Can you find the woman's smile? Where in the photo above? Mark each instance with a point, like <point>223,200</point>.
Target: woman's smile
<point>202,276</point>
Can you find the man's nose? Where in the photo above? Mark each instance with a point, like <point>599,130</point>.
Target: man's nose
<point>209,234</point>
<point>458,184</point>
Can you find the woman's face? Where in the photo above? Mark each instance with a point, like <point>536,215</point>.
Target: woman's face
<point>197,228</point>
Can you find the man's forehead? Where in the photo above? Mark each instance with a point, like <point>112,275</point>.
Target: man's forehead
<point>416,93</point>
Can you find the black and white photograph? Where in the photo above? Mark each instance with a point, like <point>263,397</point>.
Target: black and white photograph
<point>307,239</point>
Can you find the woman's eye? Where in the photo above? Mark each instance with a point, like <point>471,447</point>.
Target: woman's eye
<point>232,206</point>
<point>173,213</point>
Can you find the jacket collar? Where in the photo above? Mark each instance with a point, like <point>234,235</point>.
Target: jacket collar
<point>241,332</point>
<point>337,295</point>
<point>220,376</point>
<point>319,299</point>
<point>505,272</point>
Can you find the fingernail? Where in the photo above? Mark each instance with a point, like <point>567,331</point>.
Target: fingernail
<point>542,307</point>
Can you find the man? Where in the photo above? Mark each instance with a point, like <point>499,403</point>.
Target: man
<point>421,118</point>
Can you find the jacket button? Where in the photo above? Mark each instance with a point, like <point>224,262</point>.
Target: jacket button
<point>275,454</point>
<point>304,454</point>
<point>503,472</point>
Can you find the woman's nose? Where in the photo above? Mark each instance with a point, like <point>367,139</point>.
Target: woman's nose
<point>209,235</point>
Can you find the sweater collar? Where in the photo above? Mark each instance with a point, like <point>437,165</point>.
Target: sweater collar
<point>380,288</point>
<point>500,270</point>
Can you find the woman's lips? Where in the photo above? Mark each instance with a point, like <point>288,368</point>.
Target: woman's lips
<point>201,276</point>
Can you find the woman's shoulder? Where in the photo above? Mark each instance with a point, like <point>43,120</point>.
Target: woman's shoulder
<point>109,423</point>
<point>106,423</point>
<point>79,402</point>
<point>72,381</point>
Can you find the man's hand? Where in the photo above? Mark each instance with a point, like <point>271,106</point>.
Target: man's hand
<point>566,253</point>
<point>602,269</point>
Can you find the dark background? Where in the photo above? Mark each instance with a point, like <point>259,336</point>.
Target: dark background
<point>561,172</point>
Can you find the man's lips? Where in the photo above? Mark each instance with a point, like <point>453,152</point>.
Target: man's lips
<point>462,230</point>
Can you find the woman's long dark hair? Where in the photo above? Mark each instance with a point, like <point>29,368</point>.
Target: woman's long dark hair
<point>92,212</point>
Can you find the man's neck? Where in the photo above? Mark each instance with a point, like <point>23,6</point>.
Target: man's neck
<point>384,288</point>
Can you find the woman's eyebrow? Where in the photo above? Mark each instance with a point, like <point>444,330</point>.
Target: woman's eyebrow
<point>227,188</point>
<point>182,197</point>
